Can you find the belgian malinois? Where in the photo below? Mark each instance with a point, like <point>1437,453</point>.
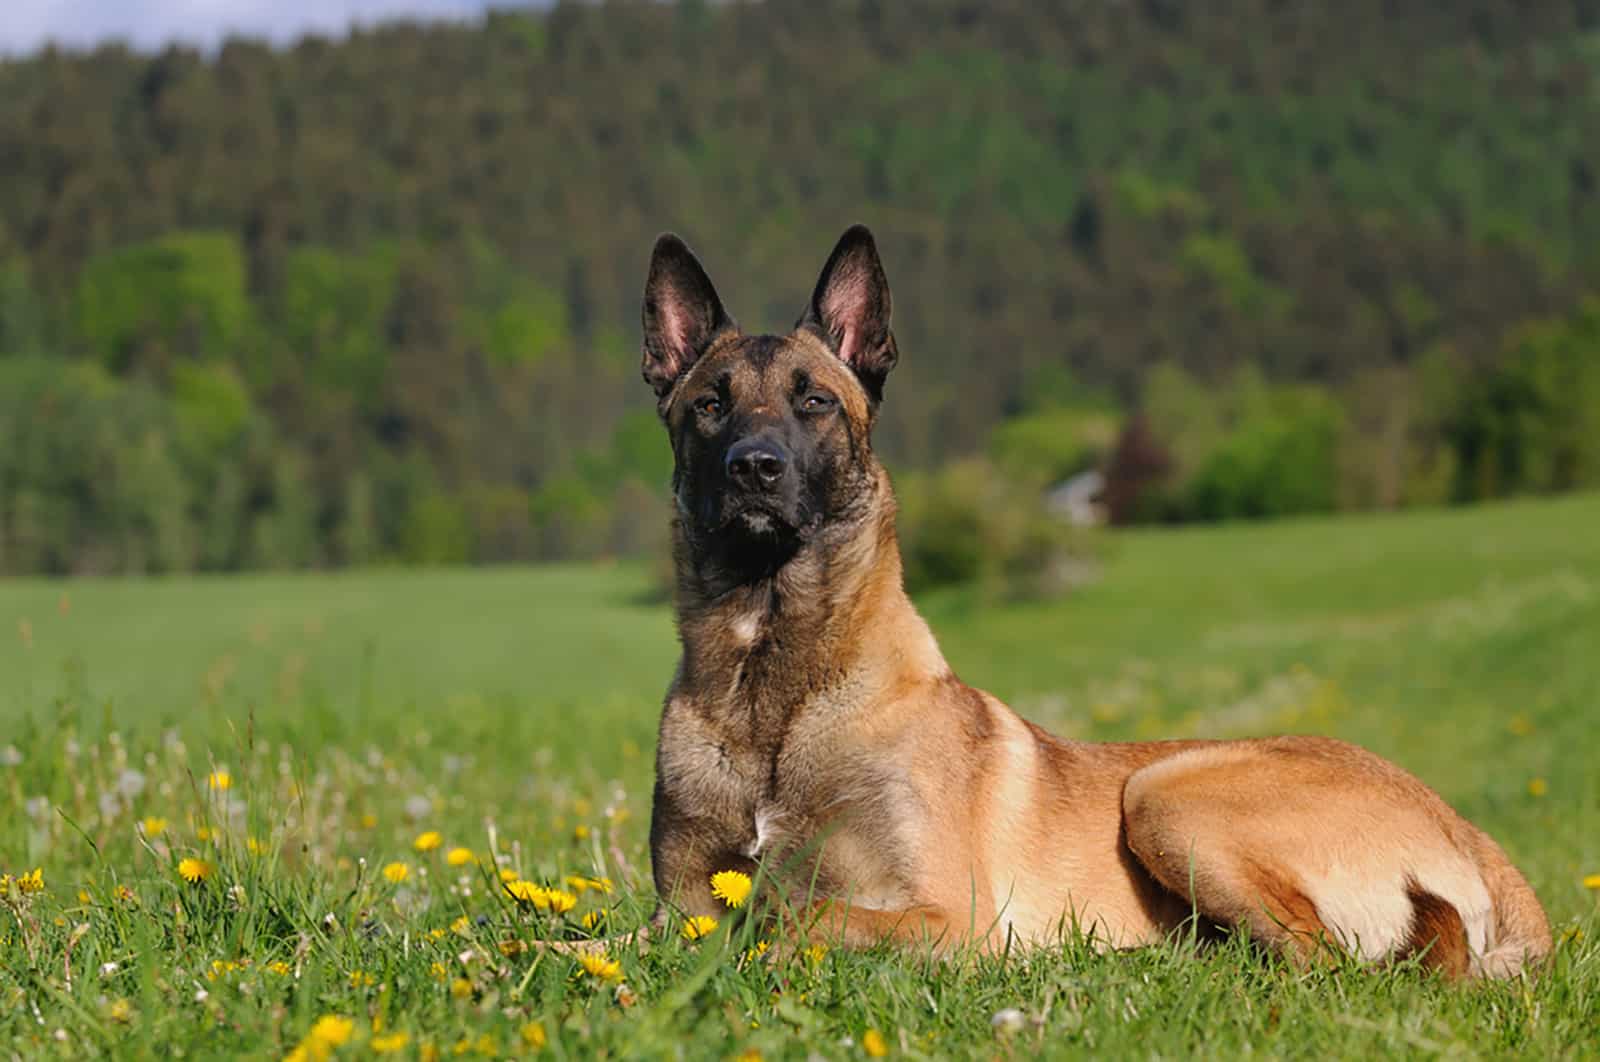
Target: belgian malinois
<point>813,713</point>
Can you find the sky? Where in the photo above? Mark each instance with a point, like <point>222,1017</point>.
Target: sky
<point>26,25</point>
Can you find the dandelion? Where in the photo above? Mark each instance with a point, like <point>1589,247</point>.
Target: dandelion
<point>361,979</point>
<point>533,1035</point>
<point>698,927</point>
<point>528,894</point>
<point>125,894</point>
<point>154,826</point>
<point>460,988</point>
<point>580,832</point>
<point>279,967</point>
<point>600,967</point>
<point>439,972</point>
<point>561,901</point>
<point>760,949</point>
<point>254,845</point>
<point>512,948</point>
<point>732,887</point>
<point>1520,725</point>
<point>594,920</point>
<point>460,925</point>
<point>31,883</point>
<point>427,841</point>
<point>602,885</point>
<point>577,883</point>
<point>507,874</point>
<point>873,1043</point>
<point>329,1031</point>
<point>1592,881</point>
<point>205,833</point>
<point>1537,787</point>
<point>369,821</point>
<point>396,872</point>
<point>816,953</point>
<point>219,780</point>
<point>193,870</point>
<point>458,857</point>
<point>120,1011</point>
<point>387,1045</point>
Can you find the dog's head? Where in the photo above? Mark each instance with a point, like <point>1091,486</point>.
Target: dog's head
<point>770,434</point>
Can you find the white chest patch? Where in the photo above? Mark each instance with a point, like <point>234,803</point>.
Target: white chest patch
<point>766,830</point>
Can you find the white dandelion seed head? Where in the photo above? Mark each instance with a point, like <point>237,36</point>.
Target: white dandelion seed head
<point>130,783</point>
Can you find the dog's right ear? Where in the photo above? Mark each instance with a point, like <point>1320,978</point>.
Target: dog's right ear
<point>682,314</point>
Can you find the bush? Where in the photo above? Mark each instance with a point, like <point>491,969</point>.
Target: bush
<point>968,523</point>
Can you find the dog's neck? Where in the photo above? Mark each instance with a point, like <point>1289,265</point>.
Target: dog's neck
<point>832,613</point>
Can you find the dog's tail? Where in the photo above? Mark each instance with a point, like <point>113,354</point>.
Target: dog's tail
<point>1521,930</point>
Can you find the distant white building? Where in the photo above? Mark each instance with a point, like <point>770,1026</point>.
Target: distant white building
<point>1077,500</point>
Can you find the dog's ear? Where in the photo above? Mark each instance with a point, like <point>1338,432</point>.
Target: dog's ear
<point>850,309</point>
<point>682,314</point>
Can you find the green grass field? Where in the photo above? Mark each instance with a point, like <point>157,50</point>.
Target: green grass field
<point>512,713</point>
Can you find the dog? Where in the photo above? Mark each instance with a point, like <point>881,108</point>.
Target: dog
<point>813,724</point>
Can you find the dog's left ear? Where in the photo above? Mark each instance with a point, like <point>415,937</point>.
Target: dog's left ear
<point>850,309</point>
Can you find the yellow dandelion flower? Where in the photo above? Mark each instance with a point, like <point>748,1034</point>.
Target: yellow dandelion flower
<point>1571,935</point>
<point>279,967</point>
<point>1538,787</point>
<point>396,872</point>
<point>529,894</point>
<point>84,897</point>
<point>533,1035</point>
<point>369,821</point>
<point>255,845</point>
<point>439,972</point>
<point>756,952</point>
<point>460,925</point>
<point>561,901</point>
<point>361,979</point>
<point>602,885</point>
<point>511,948</point>
<point>31,883</point>
<point>460,988</point>
<point>600,967</point>
<point>330,1030</point>
<point>427,841</point>
<point>732,887</point>
<point>749,1054</point>
<point>194,870</point>
<point>816,952</point>
<point>436,933</point>
<point>1520,725</point>
<point>154,826</point>
<point>120,1011</point>
<point>388,1045</point>
<point>594,920</point>
<point>205,833</point>
<point>580,832</point>
<point>125,894</point>
<point>577,883</point>
<point>873,1043</point>
<point>507,874</point>
<point>1592,881</point>
<point>219,780</point>
<point>458,857</point>
<point>698,927</point>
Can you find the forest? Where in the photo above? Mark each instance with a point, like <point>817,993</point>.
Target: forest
<point>374,300</point>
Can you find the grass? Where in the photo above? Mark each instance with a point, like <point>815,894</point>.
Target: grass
<point>513,713</point>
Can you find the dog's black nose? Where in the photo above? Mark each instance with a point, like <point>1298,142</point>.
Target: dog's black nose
<point>755,463</point>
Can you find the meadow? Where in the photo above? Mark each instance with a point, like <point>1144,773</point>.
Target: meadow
<point>338,814</point>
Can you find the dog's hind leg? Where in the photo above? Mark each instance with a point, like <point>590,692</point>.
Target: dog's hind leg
<point>1310,843</point>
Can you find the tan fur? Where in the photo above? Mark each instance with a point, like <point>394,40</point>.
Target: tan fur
<point>813,727</point>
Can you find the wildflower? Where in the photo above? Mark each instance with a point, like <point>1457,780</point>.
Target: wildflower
<point>511,948</point>
<point>602,885</point>
<point>458,857</point>
<point>594,920</point>
<point>219,780</point>
<point>369,821</point>
<point>125,894</point>
<point>1592,881</point>
<point>436,933</point>
<point>1571,935</point>
<point>1520,725</point>
<point>533,1035</point>
<point>561,901</point>
<point>460,925</point>
<point>361,979</point>
<point>732,887</point>
<point>193,870</point>
<point>154,826</point>
<point>254,845</point>
<point>577,883</point>
<point>205,833</point>
<point>873,1044</point>
<point>749,1054</point>
<point>1538,787</point>
<point>221,968</point>
<point>385,1045</point>
<point>600,967</point>
<point>580,832</point>
<point>756,952</point>
<point>120,1011</point>
<point>31,883</point>
<point>528,894</point>
<point>439,972</point>
<point>816,953</point>
<point>507,874</point>
<point>396,872</point>
<point>427,841</point>
<point>329,1031</point>
<point>279,967</point>
<point>698,927</point>
<point>460,988</point>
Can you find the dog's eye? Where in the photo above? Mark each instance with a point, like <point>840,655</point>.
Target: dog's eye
<point>709,406</point>
<point>816,403</point>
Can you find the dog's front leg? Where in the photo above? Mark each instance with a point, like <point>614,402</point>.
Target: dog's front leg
<point>837,922</point>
